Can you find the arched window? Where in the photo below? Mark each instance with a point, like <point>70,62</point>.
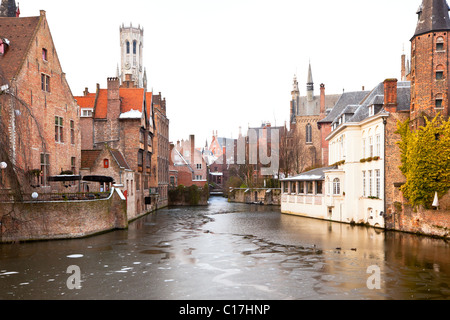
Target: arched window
<point>308,133</point>
<point>440,72</point>
<point>128,47</point>
<point>134,46</point>
<point>336,186</point>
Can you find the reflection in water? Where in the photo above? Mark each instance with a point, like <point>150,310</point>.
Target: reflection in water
<point>229,251</point>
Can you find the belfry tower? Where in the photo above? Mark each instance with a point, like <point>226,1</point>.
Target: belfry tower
<point>430,80</point>
<point>131,48</point>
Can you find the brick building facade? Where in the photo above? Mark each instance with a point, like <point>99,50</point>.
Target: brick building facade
<point>305,140</point>
<point>430,81</point>
<point>122,119</point>
<point>161,150</point>
<point>430,85</point>
<point>40,117</point>
<point>188,167</point>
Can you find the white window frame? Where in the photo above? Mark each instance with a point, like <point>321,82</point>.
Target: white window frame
<point>378,183</point>
<point>87,113</point>
<point>364,183</point>
<point>378,142</point>
<point>336,186</point>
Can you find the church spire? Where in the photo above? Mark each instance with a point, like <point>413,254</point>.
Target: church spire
<point>310,84</point>
<point>433,16</point>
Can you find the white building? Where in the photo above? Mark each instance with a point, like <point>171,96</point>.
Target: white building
<point>353,185</point>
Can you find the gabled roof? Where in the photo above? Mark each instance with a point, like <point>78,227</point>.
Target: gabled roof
<point>89,157</point>
<point>360,111</point>
<point>120,159</point>
<point>20,32</point>
<point>347,98</point>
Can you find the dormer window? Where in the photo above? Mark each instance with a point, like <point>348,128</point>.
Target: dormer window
<point>371,110</point>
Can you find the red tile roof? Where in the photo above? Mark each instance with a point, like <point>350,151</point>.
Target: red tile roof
<point>87,101</point>
<point>88,158</point>
<point>101,106</point>
<point>131,99</point>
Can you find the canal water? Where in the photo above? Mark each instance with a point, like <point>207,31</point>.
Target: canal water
<point>229,251</point>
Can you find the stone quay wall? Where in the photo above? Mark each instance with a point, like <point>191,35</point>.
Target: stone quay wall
<point>30,221</point>
<point>265,196</point>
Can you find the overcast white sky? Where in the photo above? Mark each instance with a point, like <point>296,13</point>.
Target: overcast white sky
<point>222,64</point>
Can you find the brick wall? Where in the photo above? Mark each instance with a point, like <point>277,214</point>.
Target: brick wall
<point>311,153</point>
<point>393,175</point>
<point>44,106</point>
<point>61,220</point>
<point>426,60</point>
<point>422,221</point>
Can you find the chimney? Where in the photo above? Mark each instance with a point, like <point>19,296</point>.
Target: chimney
<point>390,95</point>
<point>322,100</point>
<point>113,98</point>
<point>86,91</point>
<point>192,141</point>
<point>224,155</point>
<point>403,68</point>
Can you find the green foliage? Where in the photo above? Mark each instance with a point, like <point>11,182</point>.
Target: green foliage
<point>425,157</point>
<point>233,182</point>
<point>189,195</point>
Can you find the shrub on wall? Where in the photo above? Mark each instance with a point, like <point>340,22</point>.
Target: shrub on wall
<point>188,195</point>
<point>425,157</point>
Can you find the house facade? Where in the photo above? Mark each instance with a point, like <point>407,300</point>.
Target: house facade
<point>188,166</point>
<point>161,151</point>
<point>122,119</point>
<point>352,188</point>
<point>40,135</point>
<point>305,144</point>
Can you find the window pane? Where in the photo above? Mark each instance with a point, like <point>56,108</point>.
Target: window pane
<point>318,187</point>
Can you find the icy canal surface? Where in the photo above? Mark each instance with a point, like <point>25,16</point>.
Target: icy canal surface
<point>229,251</point>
